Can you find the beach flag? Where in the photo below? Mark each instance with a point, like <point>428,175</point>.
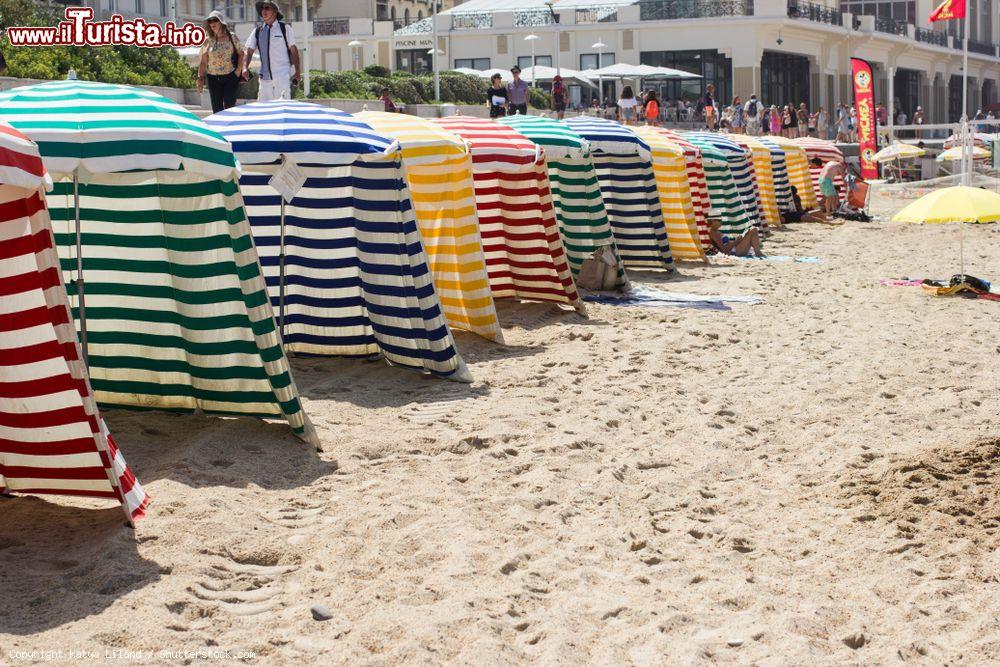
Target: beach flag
<point>947,10</point>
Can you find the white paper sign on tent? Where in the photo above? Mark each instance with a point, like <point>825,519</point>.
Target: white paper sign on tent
<point>288,180</point>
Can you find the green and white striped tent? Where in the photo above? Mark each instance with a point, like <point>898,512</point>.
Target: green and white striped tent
<point>576,192</point>
<point>176,315</point>
<point>722,190</point>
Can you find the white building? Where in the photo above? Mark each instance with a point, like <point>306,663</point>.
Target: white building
<point>787,51</point>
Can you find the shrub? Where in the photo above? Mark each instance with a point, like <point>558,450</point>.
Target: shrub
<point>538,98</point>
<point>377,71</point>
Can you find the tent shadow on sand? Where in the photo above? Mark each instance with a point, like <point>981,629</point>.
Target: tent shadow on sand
<point>661,278</point>
<point>94,563</point>
<point>204,451</point>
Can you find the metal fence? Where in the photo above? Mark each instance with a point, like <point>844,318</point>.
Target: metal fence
<point>659,10</point>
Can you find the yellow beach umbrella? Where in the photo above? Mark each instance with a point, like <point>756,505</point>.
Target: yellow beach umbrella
<point>957,204</point>
<point>898,152</point>
<point>978,153</point>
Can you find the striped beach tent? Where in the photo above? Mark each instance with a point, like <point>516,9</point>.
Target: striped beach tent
<point>797,162</point>
<point>764,170</point>
<point>525,255</point>
<point>722,192</point>
<point>576,192</point>
<point>696,179</point>
<point>438,169</point>
<point>169,296</point>
<point>52,436</point>
<point>342,254</point>
<point>826,151</point>
<point>742,167</point>
<point>625,171</point>
<point>779,174</point>
<point>670,168</point>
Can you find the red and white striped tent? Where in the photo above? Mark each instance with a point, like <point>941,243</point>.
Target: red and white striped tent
<point>52,437</point>
<point>525,257</point>
<point>697,182</point>
<point>825,151</point>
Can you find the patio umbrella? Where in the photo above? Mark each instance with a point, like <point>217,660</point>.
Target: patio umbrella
<point>898,152</point>
<point>959,204</point>
<point>955,153</point>
<point>545,73</point>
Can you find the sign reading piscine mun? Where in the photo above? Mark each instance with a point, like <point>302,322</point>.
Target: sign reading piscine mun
<point>413,43</point>
<point>864,104</point>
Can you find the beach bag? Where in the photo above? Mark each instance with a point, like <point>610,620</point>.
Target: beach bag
<point>599,271</point>
<point>752,109</point>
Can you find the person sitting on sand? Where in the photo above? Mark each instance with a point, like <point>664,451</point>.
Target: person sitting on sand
<point>799,214</point>
<point>827,188</point>
<point>740,247</point>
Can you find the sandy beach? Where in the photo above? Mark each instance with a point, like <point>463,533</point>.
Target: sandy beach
<point>811,480</point>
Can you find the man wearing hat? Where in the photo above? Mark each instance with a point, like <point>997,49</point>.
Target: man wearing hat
<point>517,94</point>
<point>278,53</point>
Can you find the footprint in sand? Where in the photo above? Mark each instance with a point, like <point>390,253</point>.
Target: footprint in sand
<point>240,588</point>
<point>446,404</point>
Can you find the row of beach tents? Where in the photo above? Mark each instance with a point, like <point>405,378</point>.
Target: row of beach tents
<point>150,260</point>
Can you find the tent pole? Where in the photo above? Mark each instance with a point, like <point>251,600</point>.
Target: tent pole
<point>79,270</point>
<point>281,275</point>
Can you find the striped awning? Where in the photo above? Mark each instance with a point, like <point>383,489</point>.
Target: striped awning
<point>608,136</point>
<point>674,188</point>
<point>723,194</point>
<point>797,162</point>
<point>576,190</point>
<point>779,174</point>
<point>52,436</point>
<point>525,255</point>
<point>764,171</point>
<point>558,139</point>
<point>438,170</point>
<point>695,165</point>
<point>306,133</point>
<point>742,167</point>
<point>492,147</point>
<point>825,151</point>
<point>105,128</point>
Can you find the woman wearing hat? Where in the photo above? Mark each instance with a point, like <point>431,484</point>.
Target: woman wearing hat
<point>221,62</point>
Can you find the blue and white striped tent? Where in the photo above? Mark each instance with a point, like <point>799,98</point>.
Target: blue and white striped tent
<point>741,165</point>
<point>346,272</point>
<point>625,172</point>
<point>779,169</point>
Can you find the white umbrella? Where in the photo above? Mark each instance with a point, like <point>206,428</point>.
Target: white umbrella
<point>467,70</point>
<point>626,71</point>
<point>505,74</point>
<point>544,73</point>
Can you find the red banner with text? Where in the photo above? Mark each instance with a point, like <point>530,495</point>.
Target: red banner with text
<point>864,104</point>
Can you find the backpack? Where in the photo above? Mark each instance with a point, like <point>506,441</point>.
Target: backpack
<point>752,108</point>
<point>652,109</point>
<point>281,29</point>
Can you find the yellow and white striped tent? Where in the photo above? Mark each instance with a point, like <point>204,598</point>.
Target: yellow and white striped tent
<point>670,170</point>
<point>761,156</point>
<point>438,169</point>
<point>798,170</point>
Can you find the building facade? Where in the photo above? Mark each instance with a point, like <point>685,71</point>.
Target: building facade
<point>786,51</point>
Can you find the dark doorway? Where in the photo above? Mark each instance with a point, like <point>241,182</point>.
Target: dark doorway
<point>906,91</point>
<point>712,66</point>
<point>784,79</point>
<point>954,98</point>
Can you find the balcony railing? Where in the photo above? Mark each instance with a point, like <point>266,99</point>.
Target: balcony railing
<point>471,20</point>
<point>891,26</point>
<point>332,26</point>
<point>399,24</point>
<point>659,10</point>
<point>932,37</point>
<point>532,18</point>
<point>810,11</point>
<point>607,14</point>
<point>416,27</point>
<point>985,48</point>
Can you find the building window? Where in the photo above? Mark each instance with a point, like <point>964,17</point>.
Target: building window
<point>589,60</point>
<point>414,61</point>
<point>906,91</point>
<point>381,10</point>
<point>905,11</point>
<point>712,66</point>
<point>784,79</point>
<point>955,99</point>
<point>420,15</point>
<point>524,62</point>
<point>406,16</point>
<point>480,64</point>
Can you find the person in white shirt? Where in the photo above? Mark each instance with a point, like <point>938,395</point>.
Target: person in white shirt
<point>278,56</point>
<point>751,114</point>
<point>626,106</point>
